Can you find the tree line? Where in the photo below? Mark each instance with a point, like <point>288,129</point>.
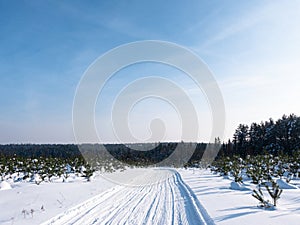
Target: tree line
<point>136,154</point>
<point>280,137</point>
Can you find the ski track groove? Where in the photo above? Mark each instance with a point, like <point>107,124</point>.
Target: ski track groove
<point>151,208</point>
<point>167,201</point>
<point>154,207</point>
<point>121,208</point>
<point>172,200</point>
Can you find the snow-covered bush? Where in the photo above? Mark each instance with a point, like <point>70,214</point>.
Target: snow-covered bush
<point>274,193</point>
<point>268,172</point>
<point>236,169</point>
<point>47,169</point>
<point>258,194</point>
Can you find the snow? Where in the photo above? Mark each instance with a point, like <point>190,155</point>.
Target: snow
<point>238,186</point>
<point>232,207</point>
<point>144,196</point>
<point>46,199</point>
<point>159,196</point>
<point>284,185</point>
<point>4,186</point>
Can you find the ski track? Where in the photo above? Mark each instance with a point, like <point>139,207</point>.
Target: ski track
<point>161,198</point>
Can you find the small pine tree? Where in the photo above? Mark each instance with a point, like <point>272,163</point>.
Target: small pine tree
<point>260,197</point>
<point>275,192</point>
<point>88,172</point>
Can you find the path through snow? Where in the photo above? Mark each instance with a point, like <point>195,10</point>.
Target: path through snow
<point>159,196</point>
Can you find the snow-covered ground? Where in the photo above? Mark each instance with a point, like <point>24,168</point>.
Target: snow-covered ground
<point>143,196</point>
<point>227,206</point>
<point>46,200</point>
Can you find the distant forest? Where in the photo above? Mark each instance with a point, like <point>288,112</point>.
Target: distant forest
<point>96,152</point>
<point>273,137</point>
<point>280,137</point>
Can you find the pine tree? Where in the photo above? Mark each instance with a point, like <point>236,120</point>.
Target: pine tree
<point>240,139</point>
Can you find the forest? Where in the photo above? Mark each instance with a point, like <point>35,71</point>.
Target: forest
<point>43,162</point>
<point>280,137</point>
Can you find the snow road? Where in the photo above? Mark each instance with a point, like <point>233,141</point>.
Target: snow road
<point>157,196</point>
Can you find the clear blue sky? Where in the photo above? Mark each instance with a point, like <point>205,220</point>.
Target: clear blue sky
<point>252,47</point>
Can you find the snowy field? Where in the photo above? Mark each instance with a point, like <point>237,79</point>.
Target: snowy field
<point>143,196</point>
<point>230,207</point>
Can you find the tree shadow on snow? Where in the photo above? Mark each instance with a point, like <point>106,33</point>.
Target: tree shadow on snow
<point>234,215</point>
<point>250,210</point>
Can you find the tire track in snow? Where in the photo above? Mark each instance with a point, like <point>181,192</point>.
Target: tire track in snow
<point>169,201</point>
<point>195,212</point>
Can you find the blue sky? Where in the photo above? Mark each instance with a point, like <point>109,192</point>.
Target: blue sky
<point>252,47</point>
